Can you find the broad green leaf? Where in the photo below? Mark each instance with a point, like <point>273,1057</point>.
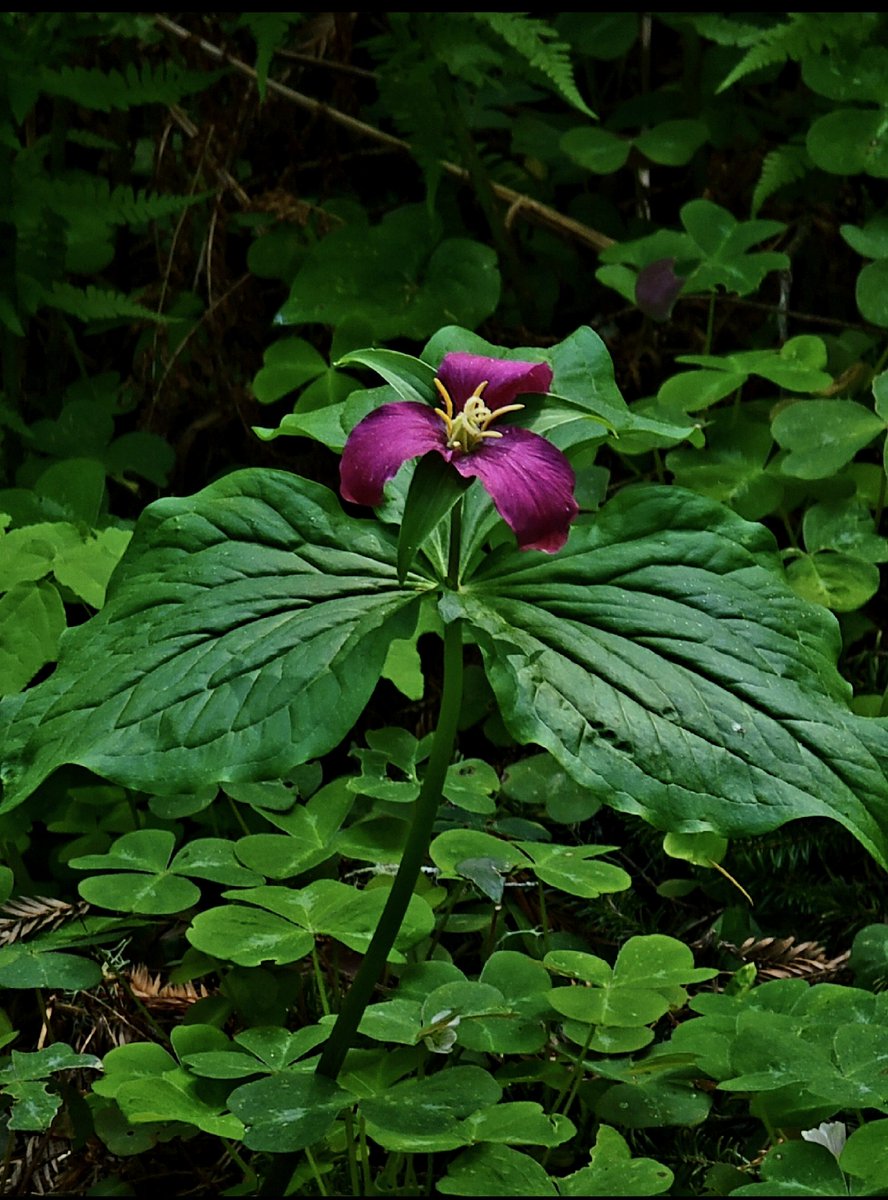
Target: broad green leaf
<point>308,834</point>
<point>577,964</point>
<point>398,276</point>
<point>33,1106</point>
<point>287,1112</point>
<point>690,391</point>
<point>32,619</point>
<point>37,1065</point>
<point>645,981</point>
<point>622,279</point>
<point>86,566</point>
<point>844,525</point>
<point>248,936</point>
<point>672,143</point>
<point>463,999</point>
<point>869,956</point>
<point>525,985</point>
<point>326,908</point>
<point>213,859</point>
<point>798,1168</point>
<point>277,1047</point>
<point>596,149</point>
<point>244,632</point>
<point>665,663</point>
<point>450,848</point>
<point>797,365</point>
<point>397,1020</point>
<point>851,70</point>
<point>134,1060</point>
<point>470,784</point>
<point>652,1102</point>
<point>665,243</point>
<point>427,1113</point>
<point>754,1067</point>
<point>870,290</point>
<point>723,244</point>
<point>141,850</point>
<point>614,1172</point>
<point>847,141</point>
<point>123,1138</point>
<point>434,490</point>
<point>77,484</point>
<point>573,869</point>
<point>822,435</point>
<point>24,966</point>
<point>865,1155</point>
<point>286,366</point>
<point>610,1005</point>
<point>176,1096</point>
<point>411,378</point>
<point>841,582</point>
<point>493,1170</point>
<point>657,961</point>
<point>224,1064</point>
<point>517,1123</point>
<point>733,465</point>
<point>148,894</point>
<point>719,234</point>
<point>702,849</point>
<point>28,553</point>
<point>870,240</point>
<point>542,782</point>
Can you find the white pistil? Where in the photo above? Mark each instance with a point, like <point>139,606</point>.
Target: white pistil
<point>467,429</point>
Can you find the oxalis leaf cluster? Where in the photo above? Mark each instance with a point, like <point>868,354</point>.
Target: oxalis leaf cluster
<point>443,700</point>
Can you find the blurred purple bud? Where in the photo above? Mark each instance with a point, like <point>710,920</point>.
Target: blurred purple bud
<point>657,288</point>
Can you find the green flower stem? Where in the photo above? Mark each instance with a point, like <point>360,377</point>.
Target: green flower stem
<point>418,839</point>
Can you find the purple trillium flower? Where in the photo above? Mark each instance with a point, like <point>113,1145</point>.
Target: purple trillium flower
<point>657,288</point>
<point>529,480</point>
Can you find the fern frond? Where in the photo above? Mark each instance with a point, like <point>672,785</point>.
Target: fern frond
<point>800,36</point>
<point>107,90</point>
<point>538,44</point>
<point>268,30</point>
<point>780,167</point>
<point>92,196</point>
<point>98,304</point>
<point>725,31</point>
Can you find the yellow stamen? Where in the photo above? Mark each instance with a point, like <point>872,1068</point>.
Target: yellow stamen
<point>467,429</point>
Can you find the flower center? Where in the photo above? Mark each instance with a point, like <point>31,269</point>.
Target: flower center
<point>467,429</point>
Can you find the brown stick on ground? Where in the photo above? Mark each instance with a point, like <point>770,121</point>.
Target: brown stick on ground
<point>519,204</point>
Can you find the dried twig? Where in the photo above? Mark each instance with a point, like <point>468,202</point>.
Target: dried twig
<point>526,206</point>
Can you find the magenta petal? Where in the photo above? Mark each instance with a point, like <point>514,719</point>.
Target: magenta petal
<point>461,374</point>
<point>378,445</point>
<point>530,482</point>
<point>657,287</point>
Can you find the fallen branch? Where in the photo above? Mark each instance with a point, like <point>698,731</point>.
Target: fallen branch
<point>519,204</point>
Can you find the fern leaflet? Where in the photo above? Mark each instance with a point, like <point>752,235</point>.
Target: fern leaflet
<point>92,197</point>
<point>781,166</point>
<point>107,90</point>
<point>537,43</point>
<point>268,30</point>
<point>801,36</point>
<point>98,304</point>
